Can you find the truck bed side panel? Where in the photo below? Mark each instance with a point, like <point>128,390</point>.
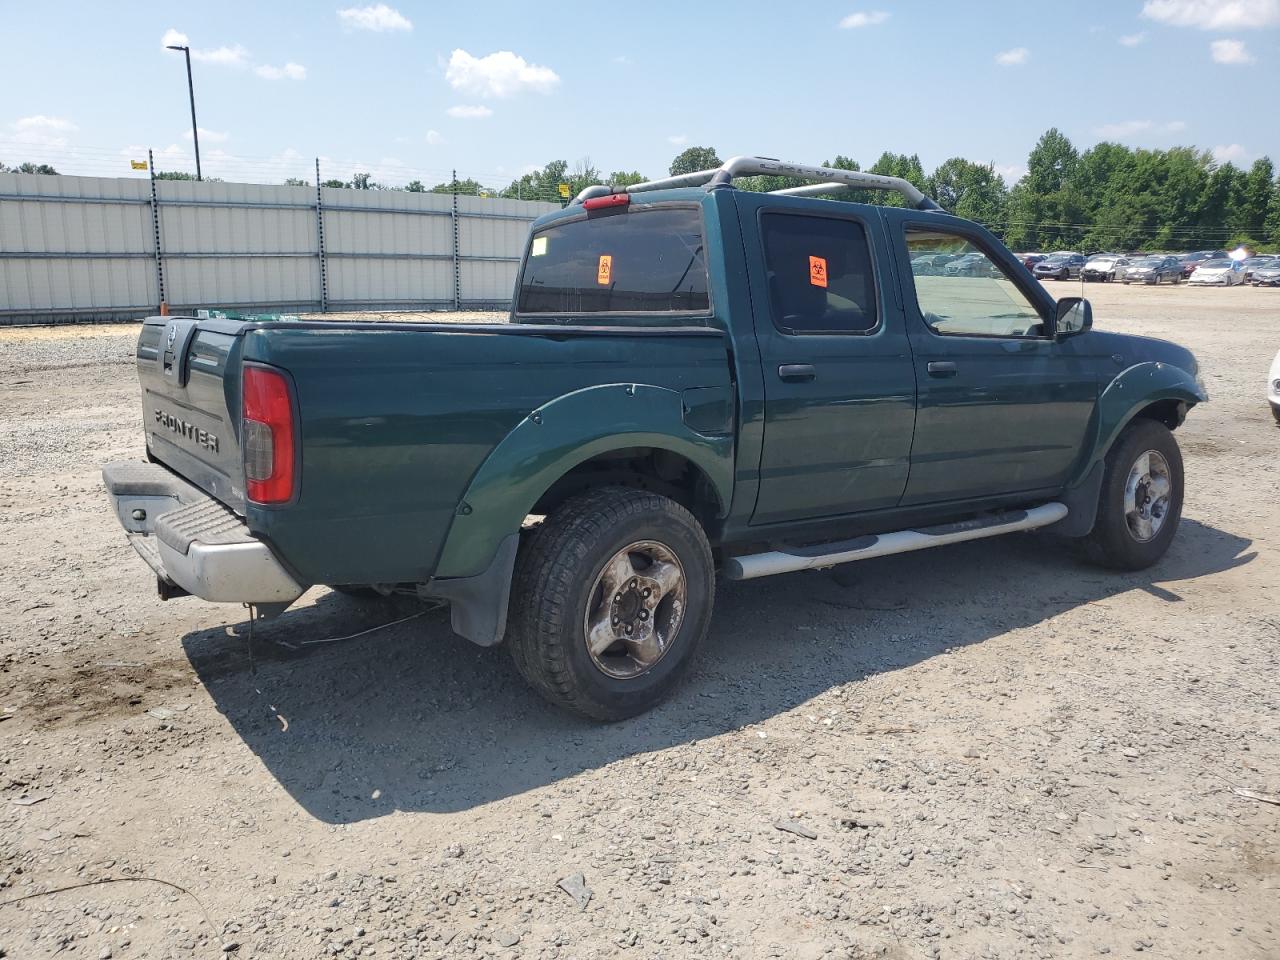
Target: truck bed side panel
<point>396,421</point>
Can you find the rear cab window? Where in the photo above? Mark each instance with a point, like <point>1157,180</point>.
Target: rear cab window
<point>643,259</point>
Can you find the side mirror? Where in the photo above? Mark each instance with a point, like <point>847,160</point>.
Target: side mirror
<point>1074,315</point>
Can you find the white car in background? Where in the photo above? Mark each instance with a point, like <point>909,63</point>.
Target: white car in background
<point>1273,387</point>
<point>1218,273</point>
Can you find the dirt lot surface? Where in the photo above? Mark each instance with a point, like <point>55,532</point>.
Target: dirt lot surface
<point>987,750</point>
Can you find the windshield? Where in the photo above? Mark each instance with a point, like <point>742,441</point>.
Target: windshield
<point>1049,261</point>
<point>1149,262</point>
<point>643,260</point>
<point>1216,265</point>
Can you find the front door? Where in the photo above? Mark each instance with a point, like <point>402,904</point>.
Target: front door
<point>839,384</point>
<point>1003,406</point>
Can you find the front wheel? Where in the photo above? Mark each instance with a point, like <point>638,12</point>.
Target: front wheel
<point>611,597</point>
<point>1141,498</point>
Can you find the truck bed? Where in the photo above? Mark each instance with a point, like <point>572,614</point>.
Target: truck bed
<point>394,419</point>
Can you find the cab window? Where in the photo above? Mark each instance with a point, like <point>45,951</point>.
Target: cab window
<point>961,292</point>
<point>820,276</point>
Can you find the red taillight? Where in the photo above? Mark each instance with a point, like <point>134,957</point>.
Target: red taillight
<point>267,440</point>
<point>613,200</point>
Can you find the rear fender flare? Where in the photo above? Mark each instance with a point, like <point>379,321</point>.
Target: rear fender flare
<point>555,438</point>
<point>1134,389</point>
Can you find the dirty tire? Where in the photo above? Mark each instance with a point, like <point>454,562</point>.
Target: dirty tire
<point>555,580</point>
<point>1275,411</point>
<point>1111,543</point>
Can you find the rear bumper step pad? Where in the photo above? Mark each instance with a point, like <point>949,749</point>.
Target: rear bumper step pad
<point>192,540</point>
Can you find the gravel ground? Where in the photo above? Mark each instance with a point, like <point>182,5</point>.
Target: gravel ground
<point>986,750</point>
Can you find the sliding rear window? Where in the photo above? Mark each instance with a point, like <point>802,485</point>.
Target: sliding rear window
<point>639,260</point>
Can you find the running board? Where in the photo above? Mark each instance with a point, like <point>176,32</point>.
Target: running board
<point>754,565</point>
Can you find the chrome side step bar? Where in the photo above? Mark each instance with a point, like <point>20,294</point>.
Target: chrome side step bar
<point>754,565</point>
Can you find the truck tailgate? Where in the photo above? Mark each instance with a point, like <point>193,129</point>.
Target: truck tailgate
<point>190,406</point>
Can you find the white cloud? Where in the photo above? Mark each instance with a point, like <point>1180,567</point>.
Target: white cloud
<point>1231,153</point>
<point>1133,39</point>
<point>622,58</point>
<point>1214,14</point>
<point>290,71</point>
<point>379,18</point>
<point>501,74</point>
<point>1013,58</point>
<point>236,56</point>
<point>41,131</point>
<point>41,122</point>
<point>1230,51</point>
<point>433,137</point>
<point>1012,172</point>
<point>1129,128</point>
<point>677,139</point>
<point>210,136</point>
<point>868,18</point>
<point>468,112</point>
<point>233,56</point>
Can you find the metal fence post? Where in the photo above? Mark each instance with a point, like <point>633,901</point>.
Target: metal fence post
<point>324,277</point>
<point>457,276</point>
<point>155,228</point>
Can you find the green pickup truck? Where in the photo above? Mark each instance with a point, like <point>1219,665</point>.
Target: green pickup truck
<point>697,381</point>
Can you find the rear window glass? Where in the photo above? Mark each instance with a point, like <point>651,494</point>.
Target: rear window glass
<point>644,260</point>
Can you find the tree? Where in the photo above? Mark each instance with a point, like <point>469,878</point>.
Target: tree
<point>621,178</point>
<point>694,159</point>
<point>296,182</point>
<point>544,184</point>
<point>970,190</point>
<point>183,175</point>
<point>29,167</point>
<point>340,184</point>
<point>468,187</point>
<point>415,186</point>
<point>364,181</point>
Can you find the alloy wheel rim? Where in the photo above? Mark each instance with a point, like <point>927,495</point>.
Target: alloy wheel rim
<point>634,609</point>
<point>1148,492</point>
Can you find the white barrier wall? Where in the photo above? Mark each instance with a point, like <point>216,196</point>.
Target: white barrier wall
<point>85,248</point>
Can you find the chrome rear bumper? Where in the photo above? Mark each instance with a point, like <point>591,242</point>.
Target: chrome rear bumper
<point>193,541</point>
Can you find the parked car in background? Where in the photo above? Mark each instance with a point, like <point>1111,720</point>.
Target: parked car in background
<point>969,265</point>
<point>1154,270</point>
<point>1190,261</point>
<point>1059,266</point>
<point>1273,388</point>
<point>1253,263</point>
<point>1219,273</point>
<point>931,264</point>
<point>1029,260</point>
<point>1104,266</point>
<point>1267,275</point>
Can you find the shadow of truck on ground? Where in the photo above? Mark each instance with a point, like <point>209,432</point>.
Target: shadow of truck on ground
<point>414,718</point>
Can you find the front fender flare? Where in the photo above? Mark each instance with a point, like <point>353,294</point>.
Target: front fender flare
<point>1133,389</point>
<point>555,438</point>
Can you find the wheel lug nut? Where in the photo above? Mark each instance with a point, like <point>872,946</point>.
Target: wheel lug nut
<point>629,628</point>
<point>644,614</point>
<point>633,584</point>
<point>645,593</point>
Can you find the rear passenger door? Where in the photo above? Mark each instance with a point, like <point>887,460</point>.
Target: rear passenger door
<point>839,384</point>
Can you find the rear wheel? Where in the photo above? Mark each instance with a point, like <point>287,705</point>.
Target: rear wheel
<point>1141,498</point>
<point>1275,411</point>
<point>612,595</point>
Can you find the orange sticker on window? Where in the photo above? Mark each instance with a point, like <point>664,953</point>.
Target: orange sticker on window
<point>818,271</point>
<point>605,270</point>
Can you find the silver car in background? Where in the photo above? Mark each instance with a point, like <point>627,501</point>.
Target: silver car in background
<point>1273,388</point>
<point>1218,273</point>
<point>1104,267</point>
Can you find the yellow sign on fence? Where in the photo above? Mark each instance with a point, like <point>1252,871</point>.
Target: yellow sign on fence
<point>138,164</point>
<point>564,191</point>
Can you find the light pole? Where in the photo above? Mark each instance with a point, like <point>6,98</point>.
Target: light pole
<point>195,132</point>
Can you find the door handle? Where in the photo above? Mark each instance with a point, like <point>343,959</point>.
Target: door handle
<point>942,368</point>
<point>796,372</point>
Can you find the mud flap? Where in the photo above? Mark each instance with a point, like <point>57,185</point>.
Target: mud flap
<point>1082,504</point>
<point>478,605</point>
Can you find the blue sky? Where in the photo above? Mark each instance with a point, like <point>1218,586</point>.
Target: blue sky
<point>412,89</point>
